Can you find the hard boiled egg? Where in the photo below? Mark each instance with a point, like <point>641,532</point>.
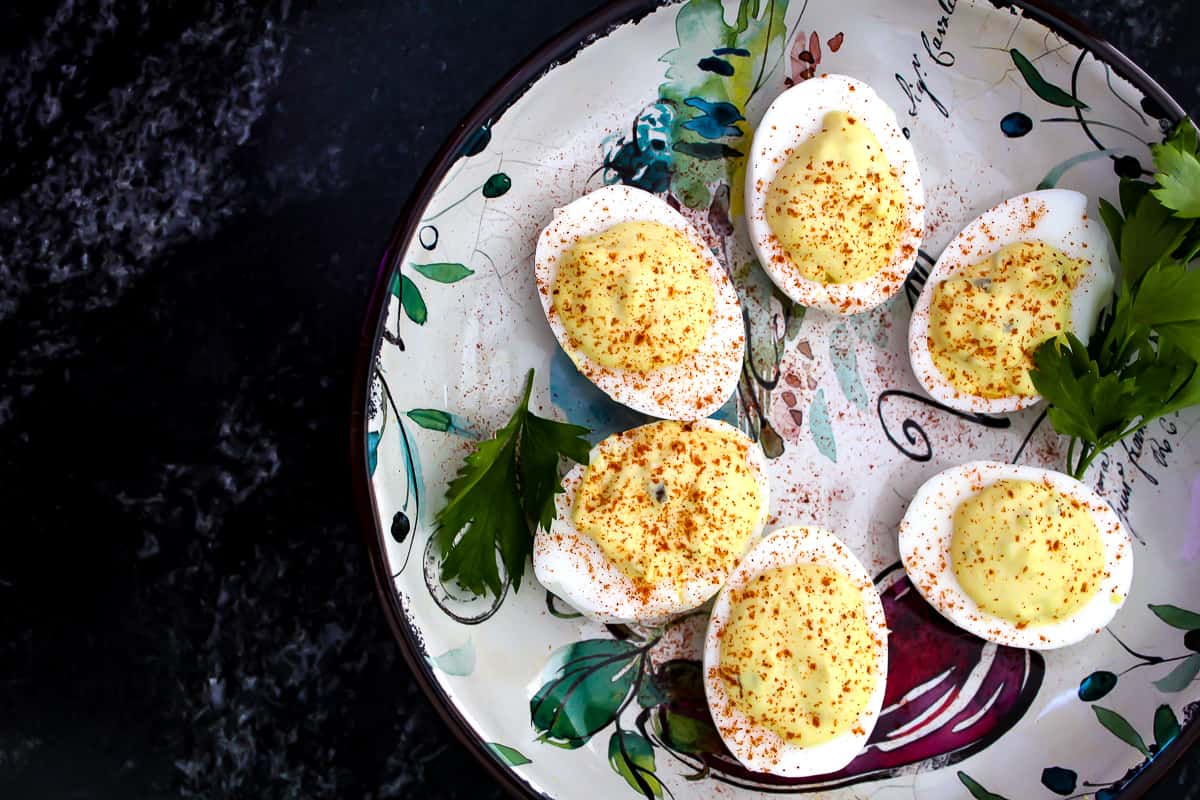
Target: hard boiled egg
<point>1031,268</point>
<point>640,304</point>
<point>834,202</point>
<point>655,522</point>
<point>795,657</point>
<point>1017,555</point>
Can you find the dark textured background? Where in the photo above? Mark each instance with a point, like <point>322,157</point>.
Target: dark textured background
<point>192,199</point>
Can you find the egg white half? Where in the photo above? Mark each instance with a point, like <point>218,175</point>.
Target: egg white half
<point>763,750</point>
<point>795,117</point>
<point>1057,217</point>
<point>928,526</point>
<point>571,564</point>
<point>692,389</point>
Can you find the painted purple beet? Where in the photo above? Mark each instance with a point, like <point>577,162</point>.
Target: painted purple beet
<point>949,695</point>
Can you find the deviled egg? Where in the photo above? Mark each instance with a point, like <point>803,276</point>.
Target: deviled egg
<point>640,304</point>
<point>655,522</point>
<point>795,658</point>
<point>1032,268</point>
<point>1017,555</point>
<point>834,201</point>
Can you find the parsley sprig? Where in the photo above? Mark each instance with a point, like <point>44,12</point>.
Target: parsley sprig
<point>503,490</point>
<point>1141,363</point>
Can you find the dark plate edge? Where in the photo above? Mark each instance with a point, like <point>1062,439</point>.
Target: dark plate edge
<point>503,94</point>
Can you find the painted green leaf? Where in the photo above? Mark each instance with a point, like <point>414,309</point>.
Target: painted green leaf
<point>1040,86</point>
<point>373,438</point>
<point>1177,617</point>
<point>821,427</point>
<point>681,683</point>
<point>497,185</point>
<point>410,299</point>
<point>459,661</point>
<point>1181,676</point>
<point>1097,685</point>
<point>1166,726</point>
<point>681,679</point>
<point>632,757</point>
<point>845,366</point>
<point>687,734</point>
<point>583,686</point>
<point>444,272</point>
<point>977,791</point>
<point>431,419</point>
<point>795,318</point>
<point>1055,174</point>
<point>758,295</point>
<point>509,755</point>
<point>1120,727</point>
<point>650,695</point>
<point>434,419</point>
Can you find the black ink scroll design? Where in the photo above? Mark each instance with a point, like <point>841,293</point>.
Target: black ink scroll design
<point>914,435</point>
<point>460,606</point>
<point>917,277</point>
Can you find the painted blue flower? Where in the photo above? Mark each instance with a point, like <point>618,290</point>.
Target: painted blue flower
<point>715,120</point>
<point>653,129</point>
<point>644,162</point>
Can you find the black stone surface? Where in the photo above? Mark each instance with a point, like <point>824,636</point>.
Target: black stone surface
<point>192,198</point>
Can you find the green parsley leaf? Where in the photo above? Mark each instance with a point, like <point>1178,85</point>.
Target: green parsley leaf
<point>1168,300</point>
<point>1149,235</point>
<point>1185,137</point>
<point>1132,192</point>
<point>504,483</point>
<point>1112,220</point>
<point>1189,248</point>
<point>1085,404</point>
<point>1162,373</point>
<point>469,532</point>
<point>1186,396</point>
<point>1178,179</point>
<point>1143,361</point>
<point>542,442</point>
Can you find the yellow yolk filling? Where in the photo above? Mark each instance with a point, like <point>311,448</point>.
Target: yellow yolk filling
<point>986,321</point>
<point>670,501</point>
<point>797,655</point>
<point>836,205</point>
<point>1026,553</point>
<point>635,297</point>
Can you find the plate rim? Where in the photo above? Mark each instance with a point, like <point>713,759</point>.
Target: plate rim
<point>558,50</point>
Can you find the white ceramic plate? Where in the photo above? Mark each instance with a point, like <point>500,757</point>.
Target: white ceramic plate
<point>563,708</point>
